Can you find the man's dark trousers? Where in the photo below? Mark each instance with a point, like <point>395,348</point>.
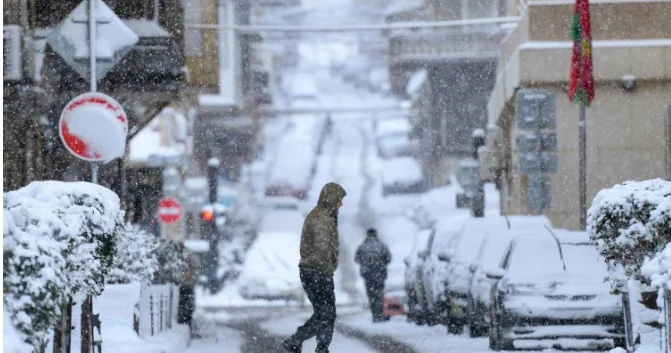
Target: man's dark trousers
<point>375,291</point>
<point>319,289</point>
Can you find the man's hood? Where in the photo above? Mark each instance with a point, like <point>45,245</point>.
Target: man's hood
<point>331,195</point>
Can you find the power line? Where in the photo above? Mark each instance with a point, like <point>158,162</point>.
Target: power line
<point>357,28</point>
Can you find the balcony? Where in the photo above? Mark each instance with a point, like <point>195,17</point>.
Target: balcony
<point>480,44</point>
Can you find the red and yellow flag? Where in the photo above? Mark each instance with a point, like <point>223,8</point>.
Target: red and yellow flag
<point>581,84</point>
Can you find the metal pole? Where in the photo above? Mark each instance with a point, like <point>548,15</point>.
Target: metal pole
<point>92,43</point>
<point>87,304</point>
<point>583,167</point>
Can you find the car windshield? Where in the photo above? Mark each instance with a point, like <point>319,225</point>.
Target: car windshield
<point>535,256</point>
<point>494,250</point>
<point>584,260</point>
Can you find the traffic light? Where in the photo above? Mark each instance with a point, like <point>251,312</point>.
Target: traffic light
<point>208,215</point>
<point>208,226</point>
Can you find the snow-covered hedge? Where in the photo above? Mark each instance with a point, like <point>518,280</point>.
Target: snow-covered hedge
<point>13,341</point>
<point>631,221</point>
<point>33,274</point>
<point>136,258</point>
<point>60,241</point>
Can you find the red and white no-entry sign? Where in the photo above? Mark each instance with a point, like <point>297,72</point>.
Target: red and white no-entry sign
<point>93,127</point>
<point>169,210</point>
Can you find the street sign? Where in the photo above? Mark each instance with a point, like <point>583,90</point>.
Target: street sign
<point>114,39</point>
<point>169,210</point>
<point>93,127</point>
<point>535,109</point>
<point>530,143</point>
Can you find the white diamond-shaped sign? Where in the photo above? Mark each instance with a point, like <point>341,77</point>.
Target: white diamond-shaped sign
<point>113,39</point>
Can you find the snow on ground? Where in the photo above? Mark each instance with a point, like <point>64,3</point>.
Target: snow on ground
<point>285,326</point>
<point>425,339</point>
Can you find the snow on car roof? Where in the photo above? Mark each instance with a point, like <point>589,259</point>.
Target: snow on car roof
<point>404,170</point>
<point>475,230</point>
<point>393,126</point>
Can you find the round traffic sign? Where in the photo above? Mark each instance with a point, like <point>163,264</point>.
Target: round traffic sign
<point>93,127</point>
<point>169,210</point>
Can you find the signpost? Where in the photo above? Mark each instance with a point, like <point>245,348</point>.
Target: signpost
<point>537,144</point>
<point>169,210</point>
<point>93,126</point>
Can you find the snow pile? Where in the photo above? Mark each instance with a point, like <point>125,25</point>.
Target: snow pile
<point>13,340</point>
<point>135,259</point>
<point>631,221</point>
<point>58,240</point>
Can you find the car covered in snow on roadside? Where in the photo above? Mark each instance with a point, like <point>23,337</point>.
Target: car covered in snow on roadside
<point>402,175</point>
<point>270,274</point>
<point>413,288</point>
<point>552,294</point>
<point>467,253</point>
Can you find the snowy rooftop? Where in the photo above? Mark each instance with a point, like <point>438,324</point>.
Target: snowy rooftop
<point>149,147</point>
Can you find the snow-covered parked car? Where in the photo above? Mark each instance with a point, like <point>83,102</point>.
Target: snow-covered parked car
<point>413,275</point>
<point>548,291</point>
<point>466,253</point>
<point>402,175</point>
<point>393,137</point>
<point>270,270</point>
<point>434,270</point>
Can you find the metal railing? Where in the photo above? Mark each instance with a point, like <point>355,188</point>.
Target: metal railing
<point>445,45</point>
<point>157,309</point>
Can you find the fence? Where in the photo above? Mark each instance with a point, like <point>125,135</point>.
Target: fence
<point>156,312</point>
<point>665,329</point>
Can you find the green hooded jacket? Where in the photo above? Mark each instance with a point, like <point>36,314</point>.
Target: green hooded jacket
<point>319,238</point>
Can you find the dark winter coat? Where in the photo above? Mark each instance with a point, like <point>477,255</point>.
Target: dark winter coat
<point>319,239</point>
<point>373,256</point>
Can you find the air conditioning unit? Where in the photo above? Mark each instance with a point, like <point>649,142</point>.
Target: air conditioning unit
<point>11,53</point>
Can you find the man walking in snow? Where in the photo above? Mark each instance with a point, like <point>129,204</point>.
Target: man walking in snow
<point>373,256</point>
<point>319,259</point>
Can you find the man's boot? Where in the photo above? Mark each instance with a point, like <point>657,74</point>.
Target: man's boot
<point>291,345</point>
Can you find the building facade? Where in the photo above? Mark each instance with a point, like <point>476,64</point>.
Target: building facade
<point>460,64</point>
<point>628,123</point>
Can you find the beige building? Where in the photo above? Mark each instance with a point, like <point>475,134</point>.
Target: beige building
<point>628,123</point>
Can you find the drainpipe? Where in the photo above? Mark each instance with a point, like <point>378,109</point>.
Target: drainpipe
<point>227,79</point>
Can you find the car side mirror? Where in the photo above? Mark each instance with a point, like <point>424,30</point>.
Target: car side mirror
<point>495,273</point>
<point>444,257</point>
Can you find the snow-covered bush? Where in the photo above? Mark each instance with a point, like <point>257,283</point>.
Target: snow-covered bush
<point>631,221</point>
<point>60,242</point>
<point>172,261</point>
<point>13,341</point>
<point>33,273</point>
<point>658,268</point>
<point>135,259</point>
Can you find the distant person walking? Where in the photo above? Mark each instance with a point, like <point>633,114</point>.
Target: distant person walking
<point>373,257</point>
<point>187,296</point>
<point>319,259</point>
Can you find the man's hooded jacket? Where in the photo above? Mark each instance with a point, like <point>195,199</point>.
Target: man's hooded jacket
<point>319,239</point>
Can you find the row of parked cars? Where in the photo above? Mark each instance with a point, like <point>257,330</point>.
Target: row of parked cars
<point>293,167</point>
<point>514,279</point>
